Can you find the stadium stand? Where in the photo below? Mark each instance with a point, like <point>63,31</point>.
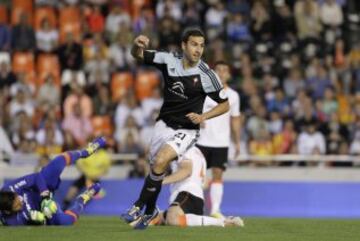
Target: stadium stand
<point>290,72</point>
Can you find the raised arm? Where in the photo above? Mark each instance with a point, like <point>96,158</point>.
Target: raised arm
<point>141,42</point>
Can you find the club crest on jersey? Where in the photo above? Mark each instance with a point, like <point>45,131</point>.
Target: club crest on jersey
<point>178,86</point>
<point>178,89</point>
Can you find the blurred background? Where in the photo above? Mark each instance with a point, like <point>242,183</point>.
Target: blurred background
<point>66,76</point>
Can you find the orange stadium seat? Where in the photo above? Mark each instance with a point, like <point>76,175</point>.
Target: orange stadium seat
<point>102,125</point>
<point>19,7</point>
<point>146,81</point>
<point>48,64</point>
<point>45,12</point>
<point>3,14</point>
<point>70,21</point>
<point>23,62</point>
<point>120,84</point>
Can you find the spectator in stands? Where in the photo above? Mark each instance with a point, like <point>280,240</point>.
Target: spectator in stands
<point>7,77</point>
<point>24,85</point>
<point>283,142</point>
<point>275,122</point>
<point>311,141</point>
<point>77,127</point>
<point>293,83</point>
<point>192,10</point>
<point>117,19</point>
<point>71,59</point>
<point>96,46</point>
<point>120,54</point>
<point>330,104</point>
<point>237,29</point>
<point>96,20</point>
<point>23,35</point>
<point>102,102</point>
<point>283,22</point>
<point>169,8</point>
<point>5,37</point>
<point>214,19</point>
<point>24,132</point>
<point>319,82</point>
<point>279,103</point>
<point>307,16</point>
<point>98,67</point>
<point>128,137</point>
<point>146,132</point>
<point>129,106</point>
<point>49,138</point>
<point>47,37</point>
<point>257,121</point>
<point>20,103</point>
<point>145,23</point>
<point>335,134</point>
<point>261,24</point>
<point>49,92</point>
<point>261,145</point>
<point>169,34</point>
<point>78,97</point>
<point>331,14</point>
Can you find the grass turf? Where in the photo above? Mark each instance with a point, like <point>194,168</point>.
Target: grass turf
<point>259,229</point>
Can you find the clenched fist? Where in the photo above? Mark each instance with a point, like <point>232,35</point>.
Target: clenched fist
<point>142,41</point>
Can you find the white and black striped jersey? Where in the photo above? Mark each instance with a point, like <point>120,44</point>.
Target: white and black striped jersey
<point>184,89</point>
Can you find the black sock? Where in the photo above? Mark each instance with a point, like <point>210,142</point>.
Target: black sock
<point>150,192</point>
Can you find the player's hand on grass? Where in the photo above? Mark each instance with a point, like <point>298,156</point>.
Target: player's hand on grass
<point>37,217</point>
<point>195,118</point>
<point>48,207</point>
<point>142,41</point>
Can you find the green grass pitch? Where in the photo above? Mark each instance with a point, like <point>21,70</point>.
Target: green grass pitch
<point>259,229</point>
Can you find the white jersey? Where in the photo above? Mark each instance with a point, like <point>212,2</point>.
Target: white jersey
<point>194,183</point>
<point>216,132</point>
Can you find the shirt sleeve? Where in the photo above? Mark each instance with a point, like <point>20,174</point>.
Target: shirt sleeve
<point>235,107</point>
<point>213,87</point>
<point>35,181</point>
<point>153,57</point>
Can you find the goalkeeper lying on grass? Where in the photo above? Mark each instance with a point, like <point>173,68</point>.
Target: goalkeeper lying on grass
<point>28,199</point>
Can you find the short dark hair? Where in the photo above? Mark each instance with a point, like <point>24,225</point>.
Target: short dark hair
<point>7,199</point>
<point>221,62</point>
<point>187,33</point>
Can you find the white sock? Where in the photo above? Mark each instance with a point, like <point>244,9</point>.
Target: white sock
<point>216,194</point>
<point>197,220</point>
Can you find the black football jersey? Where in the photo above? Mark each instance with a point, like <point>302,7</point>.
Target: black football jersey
<point>184,89</point>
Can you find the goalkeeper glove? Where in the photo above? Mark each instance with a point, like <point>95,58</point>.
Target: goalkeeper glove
<point>48,206</point>
<point>37,217</point>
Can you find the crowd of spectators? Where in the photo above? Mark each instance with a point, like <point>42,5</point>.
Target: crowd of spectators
<point>295,64</point>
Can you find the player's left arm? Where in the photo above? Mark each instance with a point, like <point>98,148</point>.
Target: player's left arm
<point>235,123</point>
<point>184,171</point>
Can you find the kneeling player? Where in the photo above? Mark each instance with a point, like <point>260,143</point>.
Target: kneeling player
<point>27,200</point>
<point>187,198</point>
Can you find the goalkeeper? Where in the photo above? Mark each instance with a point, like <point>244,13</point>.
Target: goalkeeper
<point>28,199</point>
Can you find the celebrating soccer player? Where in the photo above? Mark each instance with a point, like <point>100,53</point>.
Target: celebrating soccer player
<point>28,200</point>
<point>187,81</point>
